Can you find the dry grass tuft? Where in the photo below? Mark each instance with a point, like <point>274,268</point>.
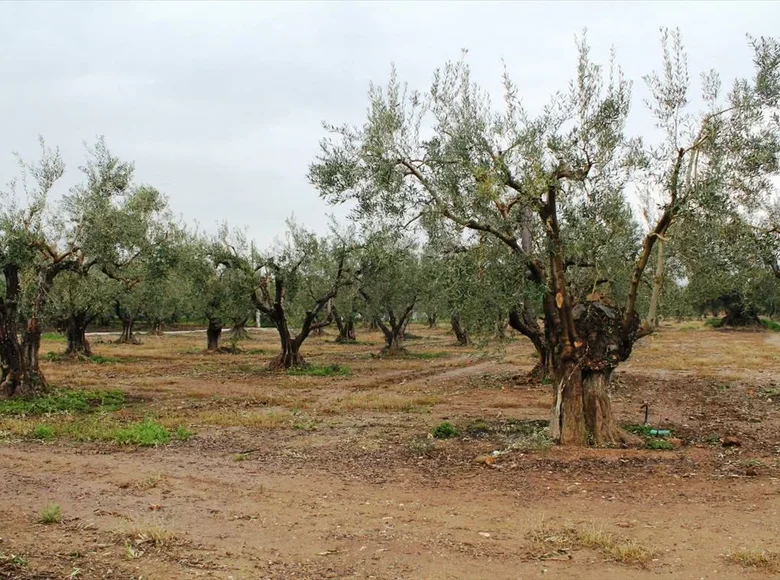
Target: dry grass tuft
<point>149,483</point>
<point>764,560</point>
<point>549,543</point>
<point>233,418</point>
<point>383,401</point>
<point>153,535</point>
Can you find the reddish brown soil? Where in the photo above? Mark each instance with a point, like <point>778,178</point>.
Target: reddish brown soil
<point>335,477</point>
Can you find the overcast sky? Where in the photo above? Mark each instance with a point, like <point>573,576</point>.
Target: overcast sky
<point>221,104</point>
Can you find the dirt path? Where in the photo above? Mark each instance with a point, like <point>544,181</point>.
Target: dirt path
<point>254,520</point>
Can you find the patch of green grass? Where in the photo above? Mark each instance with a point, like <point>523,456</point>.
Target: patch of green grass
<point>51,514</point>
<point>87,429</point>
<point>713,322</point>
<point>194,350</point>
<point>182,433</point>
<point>150,482</point>
<point>532,441</point>
<point>131,552</point>
<point>59,401</point>
<point>11,561</point>
<point>250,369</point>
<point>426,355</point>
<point>445,430</point>
<point>771,391</point>
<point>147,433</point>
<point>53,336</point>
<point>43,432</point>
<point>52,356</point>
<point>659,444</point>
<point>103,360</point>
<point>306,425</point>
<point>770,325</point>
<point>712,439</point>
<point>254,351</point>
<point>641,430</point>
<point>334,370</point>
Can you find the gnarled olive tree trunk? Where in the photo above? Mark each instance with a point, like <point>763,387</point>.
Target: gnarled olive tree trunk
<point>128,322</point>
<point>394,331</point>
<point>213,334</point>
<point>523,321</point>
<point>588,340</point>
<point>290,357</point>
<point>273,308</point>
<point>605,342</point>
<point>238,331</point>
<point>76,333</point>
<point>346,326</point>
<point>461,334</point>
<point>739,314</point>
<point>156,327</point>
<point>21,373</point>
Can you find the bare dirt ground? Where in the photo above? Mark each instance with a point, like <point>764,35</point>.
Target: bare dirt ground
<point>337,476</point>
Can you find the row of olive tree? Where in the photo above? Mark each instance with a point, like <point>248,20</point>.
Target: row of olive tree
<point>526,219</point>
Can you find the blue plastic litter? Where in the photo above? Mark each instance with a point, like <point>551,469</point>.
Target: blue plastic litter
<point>660,432</point>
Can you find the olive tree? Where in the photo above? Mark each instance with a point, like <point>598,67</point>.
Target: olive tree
<point>291,283</point>
<point>122,229</point>
<point>214,287</point>
<point>733,271</point>
<point>74,301</point>
<point>32,255</point>
<point>473,281</point>
<point>392,283</point>
<point>300,277</point>
<point>456,157</point>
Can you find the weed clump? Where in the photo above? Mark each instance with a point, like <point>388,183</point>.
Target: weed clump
<point>334,370</point>
<point>43,432</point>
<point>764,560</point>
<point>445,430</point>
<point>147,535</point>
<point>51,514</point>
<point>426,355</point>
<point>659,445</point>
<point>770,324</point>
<point>147,433</point>
<point>64,401</point>
<point>182,433</point>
